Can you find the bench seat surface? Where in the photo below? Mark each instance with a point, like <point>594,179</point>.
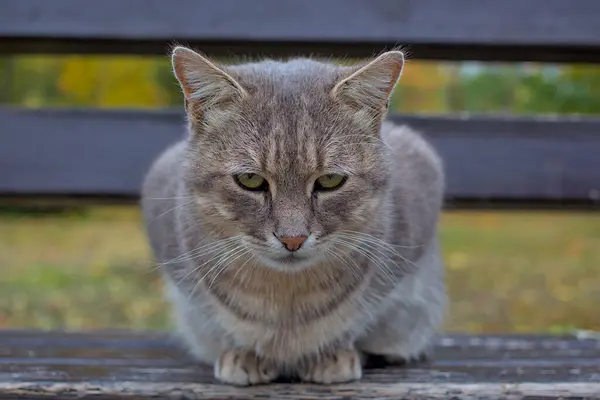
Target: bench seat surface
<point>103,365</point>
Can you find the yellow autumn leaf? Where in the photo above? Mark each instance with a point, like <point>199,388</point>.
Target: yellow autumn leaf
<point>129,83</point>
<point>79,78</point>
<point>110,81</point>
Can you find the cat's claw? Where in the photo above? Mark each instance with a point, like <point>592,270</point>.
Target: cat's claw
<point>243,368</point>
<point>340,366</point>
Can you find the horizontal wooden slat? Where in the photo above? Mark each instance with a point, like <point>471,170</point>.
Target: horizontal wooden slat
<point>488,159</point>
<point>544,30</point>
<point>150,365</point>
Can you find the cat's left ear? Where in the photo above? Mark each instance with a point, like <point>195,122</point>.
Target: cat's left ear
<point>370,86</point>
<point>205,84</point>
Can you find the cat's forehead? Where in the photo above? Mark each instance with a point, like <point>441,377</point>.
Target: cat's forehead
<point>276,77</point>
<point>290,125</point>
<point>288,98</point>
<point>297,67</point>
<point>299,146</point>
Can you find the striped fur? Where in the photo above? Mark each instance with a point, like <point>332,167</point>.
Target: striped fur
<point>368,279</point>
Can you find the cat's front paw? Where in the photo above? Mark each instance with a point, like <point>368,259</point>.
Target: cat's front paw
<point>342,365</point>
<point>243,368</point>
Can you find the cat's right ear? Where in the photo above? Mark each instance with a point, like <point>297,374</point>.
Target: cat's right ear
<point>204,84</point>
<point>369,86</point>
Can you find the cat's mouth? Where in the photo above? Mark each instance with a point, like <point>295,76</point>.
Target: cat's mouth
<point>291,258</point>
<point>290,261</point>
<point>273,255</point>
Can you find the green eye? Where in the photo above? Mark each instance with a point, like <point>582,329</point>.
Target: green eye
<point>329,182</point>
<point>251,182</point>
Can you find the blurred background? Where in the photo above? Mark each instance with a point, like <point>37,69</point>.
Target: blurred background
<point>76,266</point>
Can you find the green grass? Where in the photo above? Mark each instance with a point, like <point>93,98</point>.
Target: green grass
<point>78,272</point>
<point>506,271</point>
<point>523,271</point>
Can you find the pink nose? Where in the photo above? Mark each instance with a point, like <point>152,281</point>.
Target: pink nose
<point>292,243</point>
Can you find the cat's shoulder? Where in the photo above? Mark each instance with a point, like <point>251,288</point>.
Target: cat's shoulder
<point>164,168</point>
<point>407,143</point>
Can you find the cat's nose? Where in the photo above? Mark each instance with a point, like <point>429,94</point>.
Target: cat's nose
<point>292,243</point>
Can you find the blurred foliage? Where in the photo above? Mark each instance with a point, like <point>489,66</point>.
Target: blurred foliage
<point>531,89</point>
<point>79,271</point>
<point>134,81</point>
<point>422,87</point>
<point>499,88</point>
<point>115,82</point>
<point>85,81</point>
<point>506,271</point>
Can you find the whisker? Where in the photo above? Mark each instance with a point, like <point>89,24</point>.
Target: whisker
<point>379,248</point>
<point>344,263</point>
<point>373,242</point>
<point>196,252</point>
<point>217,256</point>
<point>202,250</point>
<point>369,255</point>
<point>363,234</point>
<point>226,263</point>
<point>221,258</point>
<point>170,210</point>
<point>242,266</point>
<point>212,268</point>
<point>170,198</point>
<point>251,269</point>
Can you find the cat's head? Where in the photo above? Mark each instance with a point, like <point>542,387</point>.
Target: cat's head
<point>287,155</point>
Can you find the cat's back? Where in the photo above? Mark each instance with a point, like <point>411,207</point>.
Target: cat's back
<point>417,187</point>
<point>410,150</point>
<point>160,182</point>
<point>416,168</point>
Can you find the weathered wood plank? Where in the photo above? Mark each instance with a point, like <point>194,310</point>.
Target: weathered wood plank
<point>489,160</point>
<point>151,365</point>
<point>542,30</point>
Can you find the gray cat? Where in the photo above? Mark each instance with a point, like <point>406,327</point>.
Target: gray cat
<point>296,229</point>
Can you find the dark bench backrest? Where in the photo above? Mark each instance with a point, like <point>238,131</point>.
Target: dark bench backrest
<point>490,160</point>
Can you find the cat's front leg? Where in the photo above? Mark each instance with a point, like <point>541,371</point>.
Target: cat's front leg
<point>335,366</point>
<point>243,367</point>
<point>404,335</point>
<point>405,331</point>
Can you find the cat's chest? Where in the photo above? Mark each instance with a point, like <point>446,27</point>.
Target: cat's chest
<point>284,299</point>
<point>291,326</point>
<point>289,314</point>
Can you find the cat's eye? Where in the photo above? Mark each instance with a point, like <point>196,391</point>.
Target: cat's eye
<point>253,182</point>
<point>329,182</point>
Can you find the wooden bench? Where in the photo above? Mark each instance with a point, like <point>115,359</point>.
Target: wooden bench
<point>151,365</point>
<point>492,161</point>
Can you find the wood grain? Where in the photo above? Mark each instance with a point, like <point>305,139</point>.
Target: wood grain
<point>488,160</point>
<point>532,30</point>
<point>131,365</point>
